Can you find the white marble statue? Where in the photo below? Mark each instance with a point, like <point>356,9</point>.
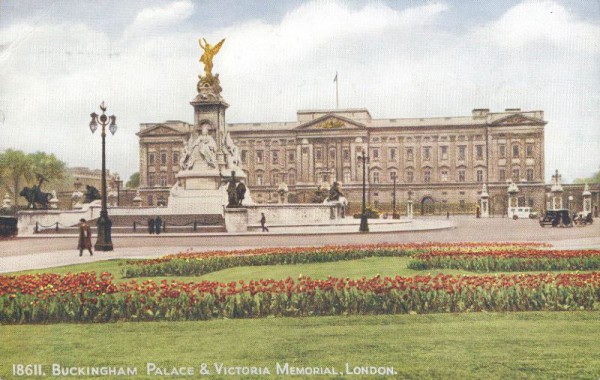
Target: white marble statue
<point>232,149</point>
<point>202,148</point>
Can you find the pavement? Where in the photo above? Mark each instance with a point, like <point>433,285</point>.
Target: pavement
<point>47,252</point>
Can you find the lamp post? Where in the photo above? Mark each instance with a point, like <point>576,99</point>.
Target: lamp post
<point>364,224</point>
<point>104,242</point>
<point>119,182</point>
<point>394,214</point>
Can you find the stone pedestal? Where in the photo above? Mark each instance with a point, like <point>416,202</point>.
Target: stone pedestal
<point>587,200</point>
<point>484,203</point>
<point>409,209</point>
<point>236,219</point>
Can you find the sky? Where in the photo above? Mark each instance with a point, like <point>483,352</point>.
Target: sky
<point>60,59</point>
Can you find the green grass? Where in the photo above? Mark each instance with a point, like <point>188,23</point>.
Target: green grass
<point>479,345</point>
<point>385,266</point>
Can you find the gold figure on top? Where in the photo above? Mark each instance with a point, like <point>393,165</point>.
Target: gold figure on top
<point>207,57</point>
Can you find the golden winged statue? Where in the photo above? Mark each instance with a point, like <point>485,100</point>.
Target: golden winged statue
<point>209,52</point>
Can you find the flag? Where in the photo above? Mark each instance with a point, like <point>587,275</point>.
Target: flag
<point>335,79</point>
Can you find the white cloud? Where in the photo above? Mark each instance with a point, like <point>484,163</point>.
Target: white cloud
<point>545,22</point>
<point>395,63</point>
<point>166,15</point>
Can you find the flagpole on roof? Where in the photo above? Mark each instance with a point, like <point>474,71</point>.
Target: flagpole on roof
<point>337,104</point>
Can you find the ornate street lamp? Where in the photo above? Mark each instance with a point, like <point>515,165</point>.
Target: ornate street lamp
<point>364,224</point>
<point>394,214</point>
<point>104,242</point>
<point>119,183</point>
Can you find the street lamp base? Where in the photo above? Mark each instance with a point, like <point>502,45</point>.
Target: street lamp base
<point>103,246</point>
<point>364,224</point>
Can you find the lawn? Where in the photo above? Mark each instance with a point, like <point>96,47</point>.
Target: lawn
<point>478,345</point>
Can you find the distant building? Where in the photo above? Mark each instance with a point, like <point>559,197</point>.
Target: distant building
<point>444,161</point>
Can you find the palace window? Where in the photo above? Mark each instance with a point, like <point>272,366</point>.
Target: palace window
<point>393,175</point>
<point>346,154</point>
<point>426,153</point>
<point>275,157</point>
<point>479,152</point>
<point>291,156</point>
<point>444,176</point>
<point>151,179</point>
<point>530,175</point>
<point>462,151</point>
<point>479,175</point>
<point>444,152</point>
<point>259,179</point>
<point>150,200</point>
<point>274,178</point>
<point>392,154</point>
<point>502,175</point>
<point>515,151</point>
<point>332,154</point>
<point>502,151</point>
<point>376,154</point>
<point>151,158</point>
<point>515,175</point>
<point>461,175</point>
<point>163,158</point>
<point>175,158</point>
<point>409,154</point>
<point>375,177</point>
<point>259,157</point>
<point>163,180</point>
<point>347,176</point>
<point>244,156</point>
<point>410,176</point>
<point>319,154</point>
<point>427,176</point>
<point>529,150</point>
<point>292,178</point>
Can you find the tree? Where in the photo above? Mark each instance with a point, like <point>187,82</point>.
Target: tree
<point>19,168</point>
<point>48,166</point>
<point>16,167</point>
<point>134,181</point>
<point>594,179</point>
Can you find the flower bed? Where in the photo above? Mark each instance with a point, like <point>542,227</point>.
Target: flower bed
<point>493,260</point>
<point>199,263</point>
<point>84,297</point>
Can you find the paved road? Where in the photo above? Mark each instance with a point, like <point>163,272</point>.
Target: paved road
<point>467,229</point>
<point>38,253</point>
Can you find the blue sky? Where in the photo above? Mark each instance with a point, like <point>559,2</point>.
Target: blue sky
<point>60,59</point>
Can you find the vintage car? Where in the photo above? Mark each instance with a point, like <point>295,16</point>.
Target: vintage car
<point>8,226</point>
<point>556,218</point>
<point>521,212</point>
<point>582,218</point>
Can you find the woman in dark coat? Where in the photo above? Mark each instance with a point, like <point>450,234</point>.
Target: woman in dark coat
<point>85,237</point>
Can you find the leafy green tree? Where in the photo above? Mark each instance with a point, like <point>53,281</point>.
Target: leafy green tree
<point>594,179</point>
<point>48,166</point>
<point>134,181</point>
<point>16,168</point>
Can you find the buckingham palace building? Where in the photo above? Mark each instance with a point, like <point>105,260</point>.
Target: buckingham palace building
<point>441,163</point>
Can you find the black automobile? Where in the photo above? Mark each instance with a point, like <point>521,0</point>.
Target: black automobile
<point>556,218</point>
<point>8,226</point>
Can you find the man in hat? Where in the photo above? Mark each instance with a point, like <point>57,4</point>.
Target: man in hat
<point>85,237</point>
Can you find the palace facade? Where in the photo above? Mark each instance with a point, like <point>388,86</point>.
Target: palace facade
<point>440,163</point>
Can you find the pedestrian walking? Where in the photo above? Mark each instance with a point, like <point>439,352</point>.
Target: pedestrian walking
<point>150,226</point>
<point>447,214</point>
<point>157,224</point>
<point>263,220</point>
<point>85,237</point>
